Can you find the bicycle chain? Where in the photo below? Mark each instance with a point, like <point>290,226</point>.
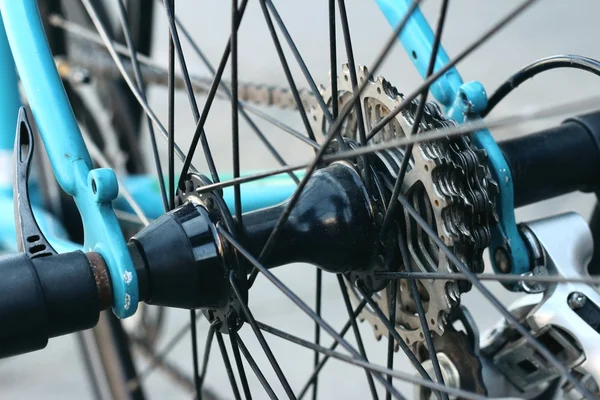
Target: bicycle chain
<point>97,64</point>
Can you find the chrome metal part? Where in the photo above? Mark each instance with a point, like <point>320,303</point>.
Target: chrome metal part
<point>378,98</point>
<point>502,260</point>
<point>462,349</point>
<point>577,300</point>
<point>564,317</point>
<point>568,244</point>
<point>534,287</point>
<point>537,258</point>
<point>446,181</point>
<point>526,368</point>
<point>570,393</point>
<point>449,373</point>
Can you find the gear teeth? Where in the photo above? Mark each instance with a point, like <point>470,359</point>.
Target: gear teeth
<point>363,72</point>
<point>322,88</point>
<point>462,177</point>
<point>464,192</point>
<point>345,69</point>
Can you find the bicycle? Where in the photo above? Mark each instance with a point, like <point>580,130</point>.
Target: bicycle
<point>401,199</point>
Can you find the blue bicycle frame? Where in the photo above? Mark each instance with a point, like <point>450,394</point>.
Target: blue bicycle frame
<point>23,44</point>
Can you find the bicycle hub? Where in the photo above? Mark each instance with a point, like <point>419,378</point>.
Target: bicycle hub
<point>182,261</point>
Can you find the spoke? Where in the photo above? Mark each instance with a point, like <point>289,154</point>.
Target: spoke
<point>494,301</point>
<point>251,177</point>
<point>354,82</point>
<point>288,73</point>
<point>359,342</point>
<point>171,121</point>
<point>234,387</point>
<point>140,84</point>
<point>261,339</point>
<point>193,334</point>
<point>391,342</point>
<point>127,217</point>
<point>318,288</point>
<point>156,71</point>
<point>199,131</point>
<point>88,361</point>
<point>371,367</point>
<point>391,209</point>
<point>273,121</point>
<point>421,312</point>
<point>102,31</point>
<point>160,357</point>
<point>321,364</point>
<point>345,112</point>
<point>172,371</point>
<point>333,58</point>
<point>174,39</point>
<point>482,39</point>
<point>175,42</point>
<point>241,106</point>
<point>525,116</point>
<point>190,91</point>
<point>198,83</point>
<point>206,356</point>
<point>392,330</point>
<point>592,280</point>
<point>235,128</point>
<point>256,369</point>
<point>393,204</point>
<point>296,300</point>
<point>300,61</point>
<point>233,336</point>
<point>333,129</point>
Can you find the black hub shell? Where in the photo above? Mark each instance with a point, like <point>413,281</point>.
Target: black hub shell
<point>331,225</point>
<point>180,262</point>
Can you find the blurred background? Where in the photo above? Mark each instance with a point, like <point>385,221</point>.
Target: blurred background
<point>550,27</point>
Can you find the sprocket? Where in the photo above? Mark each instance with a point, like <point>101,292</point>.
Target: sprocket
<point>447,181</point>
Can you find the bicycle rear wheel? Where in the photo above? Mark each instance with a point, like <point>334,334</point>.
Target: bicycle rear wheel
<point>359,112</point>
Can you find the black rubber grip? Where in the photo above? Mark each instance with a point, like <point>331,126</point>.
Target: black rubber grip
<point>44,297</point>
<point>555,161</point>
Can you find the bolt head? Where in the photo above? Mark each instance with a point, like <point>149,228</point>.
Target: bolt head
<point>502,260</point>
<point>576,300</point>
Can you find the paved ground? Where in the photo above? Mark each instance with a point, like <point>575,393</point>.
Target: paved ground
<point>550,27</point>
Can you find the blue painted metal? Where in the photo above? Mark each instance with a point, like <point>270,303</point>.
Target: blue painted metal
<point>462,102</point>
<point>471,100</point>
<point>92,190</point>
<point>417,39</point>
<point>9,94</point>
<point>263,193</point>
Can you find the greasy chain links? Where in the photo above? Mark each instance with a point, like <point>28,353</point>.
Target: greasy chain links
<point>96,64</point>
<point>447,181</point>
